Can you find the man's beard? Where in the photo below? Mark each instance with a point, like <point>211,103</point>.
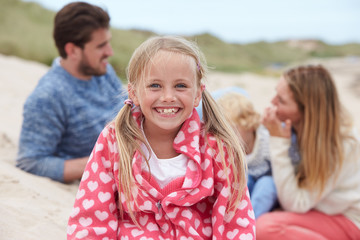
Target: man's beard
<point>87,70</point>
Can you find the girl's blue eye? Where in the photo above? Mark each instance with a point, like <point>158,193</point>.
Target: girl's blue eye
<point>154,85</point>
<point>180,85</point>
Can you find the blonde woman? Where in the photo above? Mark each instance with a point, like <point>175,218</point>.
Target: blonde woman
<point>319,189</point>
<point>241,113</point>
<point>157,172</point>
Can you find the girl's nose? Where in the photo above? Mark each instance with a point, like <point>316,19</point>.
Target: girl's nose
<point>168,95</point>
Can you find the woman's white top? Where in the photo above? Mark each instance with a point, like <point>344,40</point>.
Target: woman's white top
<point>341,194</point>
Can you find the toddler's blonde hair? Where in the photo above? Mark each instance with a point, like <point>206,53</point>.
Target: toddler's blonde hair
<point>239,110</point>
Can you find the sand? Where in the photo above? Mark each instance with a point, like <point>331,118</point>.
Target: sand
<point>33,207</point>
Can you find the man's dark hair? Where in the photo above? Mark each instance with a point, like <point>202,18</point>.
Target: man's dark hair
<point>75,23</point>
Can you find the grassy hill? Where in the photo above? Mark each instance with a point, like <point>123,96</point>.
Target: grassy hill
<point>26,31</point>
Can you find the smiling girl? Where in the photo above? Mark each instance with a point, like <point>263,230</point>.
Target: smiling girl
<point>157,171</point>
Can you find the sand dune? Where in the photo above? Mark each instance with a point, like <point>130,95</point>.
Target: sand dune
<point>34,207</point>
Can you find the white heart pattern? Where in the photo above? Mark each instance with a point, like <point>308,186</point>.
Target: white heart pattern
<point>179,137</point>
<point>88,203</point>
<point>208,183</point>
<point>232,234</point>
<point>193,126</point>
<point>92,185</point>
<point>99,147</point>
<point>243,222</point>
<point>247,236</point>
<point>105,178</point>
<point>81,234</point>
<point>195,142</point>
<point>100,230</point>
<point>85,221</point>
<point>70,229</point>
<point>94,166</point>
<point>101,215</point>
<point>103,197</point>
<point>80,194</point>
<point>197,208</point>
<point>85,175</point>
<point>75,212</point>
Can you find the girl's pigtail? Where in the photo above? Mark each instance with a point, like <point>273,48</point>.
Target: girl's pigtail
<point>226,136</point>
<point>127,135</point>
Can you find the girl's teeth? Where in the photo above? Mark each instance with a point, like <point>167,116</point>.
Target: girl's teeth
<point>169,110</point>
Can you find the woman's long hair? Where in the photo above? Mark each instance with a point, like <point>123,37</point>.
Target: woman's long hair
<point>322,134</point>
<point>129,136</point>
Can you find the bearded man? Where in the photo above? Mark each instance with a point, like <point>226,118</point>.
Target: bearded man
<point>74,100</point>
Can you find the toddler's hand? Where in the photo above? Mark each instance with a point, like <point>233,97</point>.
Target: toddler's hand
<point>274,125</point>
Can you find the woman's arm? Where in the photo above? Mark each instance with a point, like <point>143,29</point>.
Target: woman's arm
<point>291,196</point>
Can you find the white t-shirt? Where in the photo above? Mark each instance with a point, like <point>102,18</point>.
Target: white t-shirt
<point>164,170</point>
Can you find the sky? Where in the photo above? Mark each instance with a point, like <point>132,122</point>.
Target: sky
<point>236,21</point>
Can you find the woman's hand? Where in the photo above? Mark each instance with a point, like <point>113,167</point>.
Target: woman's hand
<point>275,127</point>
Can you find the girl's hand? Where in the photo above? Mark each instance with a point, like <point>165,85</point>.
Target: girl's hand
<point>274,125</point>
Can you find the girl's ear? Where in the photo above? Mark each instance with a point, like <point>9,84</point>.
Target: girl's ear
<point>198,96</point>
<point>133,95</point>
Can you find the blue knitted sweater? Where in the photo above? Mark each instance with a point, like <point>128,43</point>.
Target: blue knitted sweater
<point>63,117</point>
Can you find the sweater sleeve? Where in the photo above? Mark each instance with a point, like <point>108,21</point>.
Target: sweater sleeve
<point>95,213</point>
<point>42,129</point>
<point>291,196</point>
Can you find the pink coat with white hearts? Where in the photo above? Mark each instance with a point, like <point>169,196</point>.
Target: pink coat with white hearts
<point>190,207</point>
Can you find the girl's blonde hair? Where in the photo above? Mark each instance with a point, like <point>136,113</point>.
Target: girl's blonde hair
<point>321,138</point>
<point>239,110</point>
<point>129,136</point>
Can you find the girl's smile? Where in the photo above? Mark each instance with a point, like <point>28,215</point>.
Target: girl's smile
<point>167,111</point>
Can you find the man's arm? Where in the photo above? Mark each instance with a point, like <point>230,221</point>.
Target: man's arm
<point>74,168</point>
<point>41,132</point>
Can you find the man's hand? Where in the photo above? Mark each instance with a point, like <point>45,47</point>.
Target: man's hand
<point>74,168</point>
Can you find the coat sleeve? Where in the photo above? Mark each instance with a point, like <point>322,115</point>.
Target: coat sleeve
<point>236,223</point>
<point>95,213</point>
